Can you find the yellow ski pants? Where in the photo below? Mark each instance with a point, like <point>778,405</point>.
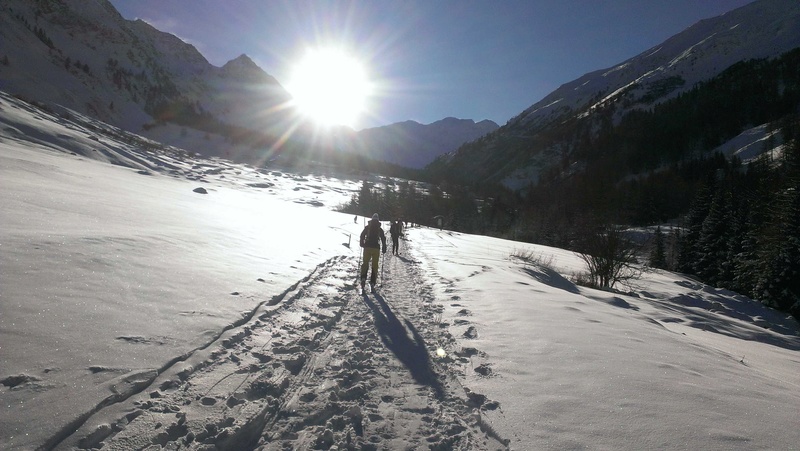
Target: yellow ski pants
<point>370,254</point>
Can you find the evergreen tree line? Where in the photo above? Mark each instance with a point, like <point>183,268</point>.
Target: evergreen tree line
<point>746,94</point>
<point>38,31</point>
<point>743,229</point>
<point>415,202</point>
<point>666,147</point>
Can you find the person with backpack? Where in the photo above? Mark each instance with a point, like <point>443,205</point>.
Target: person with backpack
<point>371,239</point>
<point>395,231</point>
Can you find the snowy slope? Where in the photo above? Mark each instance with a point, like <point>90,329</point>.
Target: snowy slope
<point>136,312</point>
<point>124,72</point>
<point>762,29</point>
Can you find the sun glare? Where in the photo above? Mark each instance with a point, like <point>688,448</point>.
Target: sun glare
<point>330,87</point>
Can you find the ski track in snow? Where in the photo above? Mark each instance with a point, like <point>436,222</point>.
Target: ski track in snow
<point>320,366</point>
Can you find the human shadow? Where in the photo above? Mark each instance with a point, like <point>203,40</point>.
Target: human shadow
<point>405,342</point>
<point>405,259</point>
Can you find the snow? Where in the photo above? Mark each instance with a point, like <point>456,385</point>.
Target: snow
<point>751,143</point>
<point>578,368</point>
<point>136,312</point>
<point>698,53</point>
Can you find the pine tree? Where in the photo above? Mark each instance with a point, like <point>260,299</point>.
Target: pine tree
<point>713,239</point>
<point>366,201</point>
<point>658,256</point>
<point>780,283</point>
<point>747,264</point>
<point>689,254</point>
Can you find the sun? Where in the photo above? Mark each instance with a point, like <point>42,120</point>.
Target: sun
<point>330,87</point>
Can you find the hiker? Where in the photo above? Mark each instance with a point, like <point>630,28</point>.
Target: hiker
<point>371,239</point>
<point>395,231</point>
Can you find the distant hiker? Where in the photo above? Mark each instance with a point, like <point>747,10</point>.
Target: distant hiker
<point>395,231</point>
<point>355,219</point>
<point>371,239</point>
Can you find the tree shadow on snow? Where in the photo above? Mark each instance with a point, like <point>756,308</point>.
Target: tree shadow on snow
<point>405,342</point>
<point>550,277</point>
<point>708,312</point>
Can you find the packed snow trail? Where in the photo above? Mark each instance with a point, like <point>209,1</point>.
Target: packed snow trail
<point>321,366</point>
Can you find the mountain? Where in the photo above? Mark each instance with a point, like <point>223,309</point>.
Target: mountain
<point>86,57</point>
<point>414,145</point>
<point>551,132</point>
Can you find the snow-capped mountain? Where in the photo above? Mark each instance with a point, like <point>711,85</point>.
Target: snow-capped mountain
<point>762,29</point>
<point>414,145</point>
<point>86,57</point>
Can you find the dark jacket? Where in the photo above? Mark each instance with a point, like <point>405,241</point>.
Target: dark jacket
<point>373,236</point>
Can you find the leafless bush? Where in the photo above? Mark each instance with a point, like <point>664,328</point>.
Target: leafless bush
<point>610,258</point>
<point>530,257</point>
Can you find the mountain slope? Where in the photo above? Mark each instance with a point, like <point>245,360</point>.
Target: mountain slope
<point>86,57</point>
<point>414,145</point>
<point>546,134</point>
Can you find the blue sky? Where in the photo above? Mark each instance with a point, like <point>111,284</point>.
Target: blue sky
<point>437,58</point>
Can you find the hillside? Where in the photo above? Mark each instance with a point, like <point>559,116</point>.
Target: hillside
<point>557,132</point>
<point>415,145</point>
<point>84,56</point>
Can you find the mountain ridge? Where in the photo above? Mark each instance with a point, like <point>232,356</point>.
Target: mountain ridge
<point>529,141</point>
<point>414,145</point>
<point>87,58</point>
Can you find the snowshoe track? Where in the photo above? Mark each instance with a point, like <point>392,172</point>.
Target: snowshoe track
<point>321,366</point>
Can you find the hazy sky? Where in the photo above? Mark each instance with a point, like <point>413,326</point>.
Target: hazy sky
<point>434,58</point>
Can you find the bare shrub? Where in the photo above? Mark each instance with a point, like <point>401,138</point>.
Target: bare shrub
<point>610,258</point>
<point>532,258</point>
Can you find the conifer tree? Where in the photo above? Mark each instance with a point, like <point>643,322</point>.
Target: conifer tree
<point>689,254</point>
<point>779,285</point>
<point>658,256</point>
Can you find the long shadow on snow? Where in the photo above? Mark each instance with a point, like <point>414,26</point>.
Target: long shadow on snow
<point>698,315</point>
<point>405,342</point>
<point>549,277</point>
<point>404,259</point>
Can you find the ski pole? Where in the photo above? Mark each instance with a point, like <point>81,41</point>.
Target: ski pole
<point>358,268</point>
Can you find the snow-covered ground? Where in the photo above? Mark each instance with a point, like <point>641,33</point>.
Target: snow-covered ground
<point>136,312</point>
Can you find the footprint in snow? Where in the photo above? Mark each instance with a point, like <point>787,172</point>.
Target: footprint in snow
<point>471,333</point>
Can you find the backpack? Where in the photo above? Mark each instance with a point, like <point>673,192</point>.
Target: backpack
<point>372,234</point>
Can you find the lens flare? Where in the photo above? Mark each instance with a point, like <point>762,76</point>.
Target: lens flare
<point>330,87</point>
